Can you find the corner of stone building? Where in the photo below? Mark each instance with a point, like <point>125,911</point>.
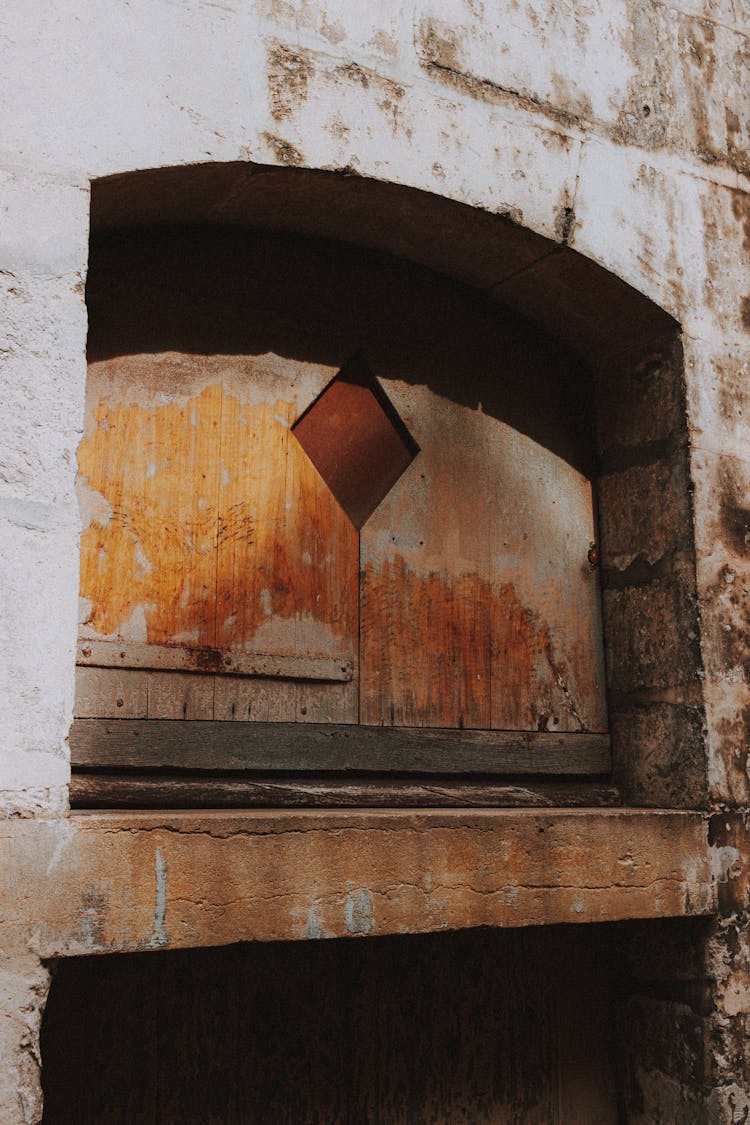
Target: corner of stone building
<point>36,803</point>
<point>24,986</point>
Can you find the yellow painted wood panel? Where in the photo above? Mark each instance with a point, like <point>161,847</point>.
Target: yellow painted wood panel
<point>148,475</point>
<point>206,528</point>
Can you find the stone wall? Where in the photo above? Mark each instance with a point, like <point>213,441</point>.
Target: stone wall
<point>619,128</point>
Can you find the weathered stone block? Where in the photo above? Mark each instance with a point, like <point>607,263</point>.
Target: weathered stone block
<point>640,397</point>
<point>631,205</point>
<point>24,984</point>
<point>644,512</point>
<point>718,396</point>
<point>722,510</point>
<point>652,633</point>
<point>659,754</point>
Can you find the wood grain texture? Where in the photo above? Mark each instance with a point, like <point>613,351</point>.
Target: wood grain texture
<point>210,542</point>
<point>478,605</point>
<point>148,479</point>
<point>111,693</point>
<point>185,697</point>
<point>110,654</point>
<point>288,555</point>
<point>132,790</point>
<point>312,746</point>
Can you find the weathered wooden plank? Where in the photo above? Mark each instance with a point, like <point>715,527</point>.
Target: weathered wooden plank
<point>424,636</point>
<point>173,695</point>
<point>184,658</point>
<point>238,699</point>
<point>326,703</point>
<point>288,556</point>
<point>257,700</point>
<point>311,746</point>
<point>111,693</point>
<point>96,790</point>
<point>148,481</point>
<point>479,608</point>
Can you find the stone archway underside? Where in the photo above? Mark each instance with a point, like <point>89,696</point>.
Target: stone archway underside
<point>571,297</point>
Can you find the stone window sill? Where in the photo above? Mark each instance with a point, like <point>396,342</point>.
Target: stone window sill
<point>127,881</point>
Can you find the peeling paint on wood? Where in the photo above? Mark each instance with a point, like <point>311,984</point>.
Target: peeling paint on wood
<point>479,608</point>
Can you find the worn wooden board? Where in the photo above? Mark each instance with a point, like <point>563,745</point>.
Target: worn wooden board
<point>111,693</point>
<point>324,746</point>
<point>148,480</point>
<point>210,542</point>
<point>183,658</point>
<point>284,701</point>
<point>479,607</point>
<point>180,697</point>
<point>132,790</point>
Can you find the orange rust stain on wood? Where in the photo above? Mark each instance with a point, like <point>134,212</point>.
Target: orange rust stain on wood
<point>211,527</point>
<point>516,638</point>
<point>456,653</point>
<point>424,649</point>
<point>291,584</point>
<point>147,557</point>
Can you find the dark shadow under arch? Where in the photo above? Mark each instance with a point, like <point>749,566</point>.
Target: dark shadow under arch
<point>573,298</point>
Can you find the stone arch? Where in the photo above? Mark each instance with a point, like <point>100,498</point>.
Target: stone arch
<point>632,349</point>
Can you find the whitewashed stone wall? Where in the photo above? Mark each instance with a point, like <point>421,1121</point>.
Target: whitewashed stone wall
<point>626,122</point>
<point>622,126</point>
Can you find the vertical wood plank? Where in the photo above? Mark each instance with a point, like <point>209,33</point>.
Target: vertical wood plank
<point>148,480</point>
<point>174,695</point>
<point>287,554</point>
<point>425,611</point>
<point>479,608</point>
<point>111,693</point>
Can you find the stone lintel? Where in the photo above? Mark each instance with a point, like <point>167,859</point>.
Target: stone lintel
<point>101,882</point>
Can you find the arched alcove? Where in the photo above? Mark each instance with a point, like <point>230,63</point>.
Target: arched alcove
<point>539,353</point>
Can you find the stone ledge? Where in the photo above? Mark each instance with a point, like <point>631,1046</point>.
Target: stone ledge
<point>101,882</point>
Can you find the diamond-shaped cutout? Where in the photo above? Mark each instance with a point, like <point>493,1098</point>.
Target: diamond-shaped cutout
<point>356,440</point>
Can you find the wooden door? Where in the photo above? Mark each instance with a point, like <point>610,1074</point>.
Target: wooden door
<point>218,572</point>
<point>329,574</point>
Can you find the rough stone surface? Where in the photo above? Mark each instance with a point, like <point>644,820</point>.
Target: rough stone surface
<point>119,881</point>
<point>24,983</point>
<point>618,129</point>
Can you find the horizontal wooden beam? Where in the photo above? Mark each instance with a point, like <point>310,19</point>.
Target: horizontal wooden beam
<point>104,790</point>
<point>196,745</point>
<point>232,662</point>
<point>102,882</point>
